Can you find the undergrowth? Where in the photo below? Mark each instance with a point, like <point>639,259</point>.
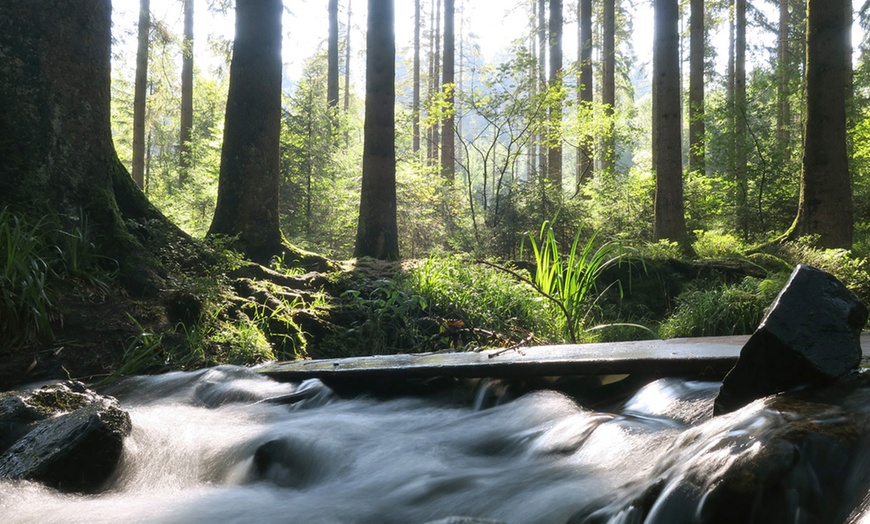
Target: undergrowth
<point>42,261</point>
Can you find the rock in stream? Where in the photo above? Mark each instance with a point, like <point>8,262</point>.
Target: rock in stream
<point>63,435</point>
<point>810,336</point>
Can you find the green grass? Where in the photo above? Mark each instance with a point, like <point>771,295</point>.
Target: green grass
<point>42,260</point>
<point>570,280</point>
<point>707,310</point>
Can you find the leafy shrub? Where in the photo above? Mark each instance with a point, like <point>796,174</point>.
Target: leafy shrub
<point>729,309</point>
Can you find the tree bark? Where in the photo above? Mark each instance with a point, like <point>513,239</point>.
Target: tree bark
<point>139,94</point>
<point>448,142</point>
<point>669,220</point>
<point>332,56</point>
<point>247,203</point>
<point>186,135</point>
<point>783,112</point>
<point>696,88</point>
<point>415,104</point>
<point>554,152</point>
<point>347,71</point>
<point>585,87</point>
<point>825,206</point>
<point>608,83</point>
<point>542,82</point>
<point>55,135</point>
<point>377,231</point>
<point>740,167</point>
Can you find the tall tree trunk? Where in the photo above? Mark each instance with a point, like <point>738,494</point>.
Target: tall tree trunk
<point>740,167</point>
<point>783,107</point>
<point>332,56</point>
<point>533,86</point>
<point>415,107</point>
<point>377,232</point>
<point>139,94</point>
<point>696,88</point>
<point>431,85</point>
<point>186,133</point>
<point>247,203</point>
<point>825,206</point>
<point>554,153</point>
<point>448,142</point>
<point>608,84</point>
<point>542,83</point>
<point>347,71</point>
<point>669,221</point>
<point>55,134</point>
<point>584,87</point>
<point>436,132</point>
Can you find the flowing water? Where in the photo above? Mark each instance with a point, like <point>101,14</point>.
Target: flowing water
<point>227,445</point>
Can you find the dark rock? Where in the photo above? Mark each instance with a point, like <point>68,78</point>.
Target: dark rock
<point>810,336</point>
<point>65,436</point>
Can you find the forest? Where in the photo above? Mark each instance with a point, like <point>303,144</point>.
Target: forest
<point>182,197</point>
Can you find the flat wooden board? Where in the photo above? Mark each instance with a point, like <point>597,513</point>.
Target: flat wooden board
<point>706,357</point>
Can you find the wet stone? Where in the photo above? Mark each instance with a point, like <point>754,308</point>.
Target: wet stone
<point>810,336</point>
<point>62,435</point>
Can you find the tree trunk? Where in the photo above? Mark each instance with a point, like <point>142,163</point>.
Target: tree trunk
<point>740,130</point>
<point>139,94</point>
<point>415,105</point>
<point>448,143</point>
<point>783,112</point>
<point>332,56</point>
<point>669,221</point>
<point>55,135</point>
<point>554,153</point>
<point>585,87</point>
<point>186,135</point>
<point>825,207</point>
<point>696,88</point>
<point>608,84</point>
<point>377,232</point>
<point>347,71</point>
<point>542,82</point>
<point>247,203</point>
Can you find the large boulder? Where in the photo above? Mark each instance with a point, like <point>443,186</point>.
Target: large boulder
<point>62,435</point>
<point>811,335</point>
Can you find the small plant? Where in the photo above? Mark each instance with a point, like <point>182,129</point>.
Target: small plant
<point>27,301</point>
<point>571,282</point>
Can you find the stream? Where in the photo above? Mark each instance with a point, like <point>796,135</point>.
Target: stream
<point>228,445</point>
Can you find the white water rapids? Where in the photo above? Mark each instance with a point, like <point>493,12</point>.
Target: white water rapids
<point>226,445</point>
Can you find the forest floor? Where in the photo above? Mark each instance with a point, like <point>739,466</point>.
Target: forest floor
<point>206,313</point>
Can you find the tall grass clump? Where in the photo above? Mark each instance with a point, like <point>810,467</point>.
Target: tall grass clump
<point>41,261</point>
<point>570,280</point>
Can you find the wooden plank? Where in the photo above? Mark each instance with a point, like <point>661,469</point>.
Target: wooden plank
<point>708,357</point>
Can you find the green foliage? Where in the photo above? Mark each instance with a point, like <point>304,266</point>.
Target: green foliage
<point>42,260</point>
<point>385,317</point>
<point>716,244</point>
<point>483,297</point>
<point>852,270</point>
<point>571,282</point>
<point>706,310</point>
